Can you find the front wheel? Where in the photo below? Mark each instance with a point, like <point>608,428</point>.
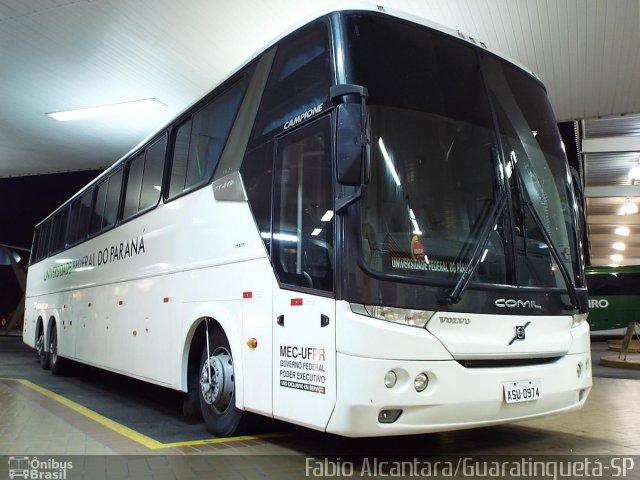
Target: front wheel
<point>217,389</point>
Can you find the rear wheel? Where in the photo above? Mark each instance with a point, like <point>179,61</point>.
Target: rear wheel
<point>55,361</point>
<point>217,389</point>
<point>43,356</point>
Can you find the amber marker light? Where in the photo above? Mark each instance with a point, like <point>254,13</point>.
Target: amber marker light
<point>252,343</point>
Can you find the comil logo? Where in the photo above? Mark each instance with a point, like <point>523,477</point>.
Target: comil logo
<point>513,303</point>
<point>33,468</point>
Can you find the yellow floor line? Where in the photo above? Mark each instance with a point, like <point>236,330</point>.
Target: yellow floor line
<point>121,429</point>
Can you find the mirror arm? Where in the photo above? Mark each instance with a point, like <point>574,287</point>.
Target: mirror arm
<point>339,91</point>
<point>345,202</point>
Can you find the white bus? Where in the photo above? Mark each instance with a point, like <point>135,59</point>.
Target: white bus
<point>369,229</point>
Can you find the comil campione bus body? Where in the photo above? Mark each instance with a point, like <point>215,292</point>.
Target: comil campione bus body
<point>369,229</point>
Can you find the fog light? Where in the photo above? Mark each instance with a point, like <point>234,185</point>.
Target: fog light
<point>420,382</point>
<point>389,416</point>
<point>390,379</point>
<point>579,370</point>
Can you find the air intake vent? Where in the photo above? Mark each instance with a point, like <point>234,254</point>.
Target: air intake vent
<point>506,362</point>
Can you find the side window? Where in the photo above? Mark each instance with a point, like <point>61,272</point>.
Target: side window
<point>98,206</point>
<point>53,234</point>
<point>152,178</point>
<point>133,186</point>
<point>34,247</point>
<point>43,246</point>
<point>299,81</point>
<point>82,229</point>
<point>179,162</point>
<point>257,176</point>
<point>200,140</point>
<point>302,237</point>
<point>72,232</point>
<point>59,230</point>
<point>113,199</point>
<point>78,218</point>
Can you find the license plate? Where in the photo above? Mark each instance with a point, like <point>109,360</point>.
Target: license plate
<point>522,391</point>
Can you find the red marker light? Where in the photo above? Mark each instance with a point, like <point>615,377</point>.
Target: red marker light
<point>165,300</point>
<point>296,302</point>
<point>247,294</point>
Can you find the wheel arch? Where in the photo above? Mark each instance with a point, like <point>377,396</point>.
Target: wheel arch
<point>220,322</point>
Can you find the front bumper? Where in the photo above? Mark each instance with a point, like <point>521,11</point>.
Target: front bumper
<point>455,398</point>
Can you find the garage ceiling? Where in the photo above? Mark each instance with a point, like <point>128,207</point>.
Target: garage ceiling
<point>64,54</point>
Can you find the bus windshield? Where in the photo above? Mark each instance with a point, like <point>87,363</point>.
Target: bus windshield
<point>452,129</point>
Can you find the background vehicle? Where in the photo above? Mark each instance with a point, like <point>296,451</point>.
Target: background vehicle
<point>614,298</point>
<point>368,229</point>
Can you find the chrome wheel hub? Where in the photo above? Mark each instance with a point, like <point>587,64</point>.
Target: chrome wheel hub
<point>216,380</point>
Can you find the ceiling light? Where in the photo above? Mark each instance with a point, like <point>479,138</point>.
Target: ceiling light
<point>616,257</point>
<point>634,172</point>
<point>629,208</point>
<point>126,108</point>
<point>624,231</point>
<point>619,246</point>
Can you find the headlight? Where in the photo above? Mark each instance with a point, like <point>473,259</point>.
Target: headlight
<point>579,319</point>
<point>413,318</point>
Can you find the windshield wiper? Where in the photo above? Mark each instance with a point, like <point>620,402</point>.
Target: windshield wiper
<point>455,294</point>
<point>571,289</point>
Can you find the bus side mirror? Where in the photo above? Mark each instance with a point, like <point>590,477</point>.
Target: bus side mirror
<point>351,136</point>
<point>350,144</point>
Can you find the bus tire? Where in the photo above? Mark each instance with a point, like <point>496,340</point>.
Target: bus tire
<point>41,353</point>
<point>56,362</point>
<point>217,397</point>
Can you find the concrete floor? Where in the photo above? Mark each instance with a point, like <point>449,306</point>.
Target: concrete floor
<point>128,429</point>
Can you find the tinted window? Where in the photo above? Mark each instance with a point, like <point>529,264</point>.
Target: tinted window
<point>72,234</point>
<point>112,200</point>
<point>59,231</point>
<point>79,218</point>
<point>257,172</point>
<point>208,131</point>
<point>98,206</point>
<point>152,178</point>
<point>302,237</point>
<point>133,186</point>
<point>613,284</point>
<point>299,80</point>
<point>85,215</point>
<point>34,248</point>
<point>44,240</point>
<point>179,161</point>
<point>53,235</point>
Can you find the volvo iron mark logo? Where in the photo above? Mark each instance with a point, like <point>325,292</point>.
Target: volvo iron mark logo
<point>520,332</point>
<point>513,303</point>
